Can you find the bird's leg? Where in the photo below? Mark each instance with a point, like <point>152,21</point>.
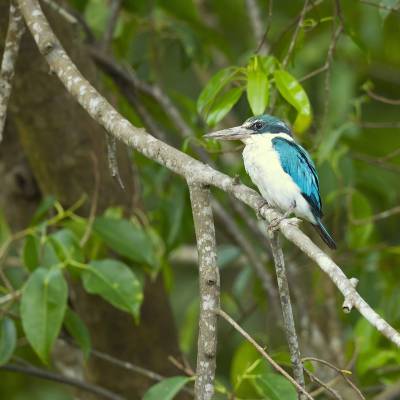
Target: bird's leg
<point>274,225</point>
<point>259,215</point>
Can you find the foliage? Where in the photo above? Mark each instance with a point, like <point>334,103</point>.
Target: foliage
<point>203,56</point>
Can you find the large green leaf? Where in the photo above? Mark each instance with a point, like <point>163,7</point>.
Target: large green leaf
<point>66,245</point>
<point>275,387</point>
<point>127,239</point>
<point>257,87</point>
<point>213,87</point>
<point>43,305</point>
<point>292,91</point>
<point>166,389</point>
<point>116,283</point>
<point>8,339</point>
<point>78,330</point>
<point>223,105</point>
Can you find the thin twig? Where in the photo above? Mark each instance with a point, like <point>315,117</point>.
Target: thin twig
<point>209,290</point>
<point>378,125</point>
<point>16,28</point>
<point>288,320</point>
<point>342,372</point>
<point>67,15</point>
<point>10,297</point>
<point>380,162</point>
<point>262,351</point>
<point>381,6</point>
<point>382,99</point>
<point>115,8</point>
<point>377,217</point>
<point>112,159</point>
<point>263,42</point>
<point>295,34</point>
<point>65,380</point>
<point>256,24</point>
<point>315,379</point>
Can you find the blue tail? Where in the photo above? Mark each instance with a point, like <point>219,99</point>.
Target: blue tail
<point>325,236</point>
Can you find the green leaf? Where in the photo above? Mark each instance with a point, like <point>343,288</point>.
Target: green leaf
<point>257,87</point>
<point>126,239</point>
<point>331,140</point>
<point>223,105</point>
<point>78,330</point>
<point>97,14</point>
<point>30,252</point>
<point>375,359</point>
<point>275,387</point>
<point>47,203</point>
<point>66,245</point>
<point>116,283</point>
<point>166,389</point>
<point>5,231</point>
<point>188,327</point>
<point>246,365</point>
<point>43,304</point>
<point>213,87</point>
<point>294,94</point>
<point>8,339</point>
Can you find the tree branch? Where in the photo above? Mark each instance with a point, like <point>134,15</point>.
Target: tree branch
<point>178,162</point>
<point>52,376</point>
<point>16,28</point>
<point>209,290</point>
<point>288,320</point>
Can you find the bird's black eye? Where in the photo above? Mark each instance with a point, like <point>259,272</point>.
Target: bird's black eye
<point>257,125</point>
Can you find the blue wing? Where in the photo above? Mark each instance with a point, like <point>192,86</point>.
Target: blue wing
<point>297,163</point>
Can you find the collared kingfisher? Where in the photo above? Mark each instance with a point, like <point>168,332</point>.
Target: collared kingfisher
<point>281,169</point>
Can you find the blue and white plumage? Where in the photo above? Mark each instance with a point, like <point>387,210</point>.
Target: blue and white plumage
<point>281,169</point>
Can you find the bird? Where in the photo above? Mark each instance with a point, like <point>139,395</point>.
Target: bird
<point>282,170</point>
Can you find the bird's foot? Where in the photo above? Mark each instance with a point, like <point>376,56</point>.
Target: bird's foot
<point>274,224</point>
<point>258,212</point>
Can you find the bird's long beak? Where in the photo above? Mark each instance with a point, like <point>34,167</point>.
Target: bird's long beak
<point>236,133</point>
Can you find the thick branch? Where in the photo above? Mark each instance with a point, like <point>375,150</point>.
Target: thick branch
<point>288,320</point>
<point>178,162</point>
<point>209,290</point>
<point>16,28</point>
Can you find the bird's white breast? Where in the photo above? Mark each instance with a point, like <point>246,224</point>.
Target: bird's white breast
<point>275,185</point>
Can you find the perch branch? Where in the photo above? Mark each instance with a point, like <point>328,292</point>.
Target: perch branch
<point>181,163</point>
<point>288,320</point>
<point>16,28</point>
<point>209,290</point>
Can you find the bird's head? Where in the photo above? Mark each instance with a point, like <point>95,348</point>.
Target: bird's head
<point>258,125</point>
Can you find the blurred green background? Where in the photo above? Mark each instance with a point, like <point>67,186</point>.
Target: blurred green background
<point>344,57</point>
